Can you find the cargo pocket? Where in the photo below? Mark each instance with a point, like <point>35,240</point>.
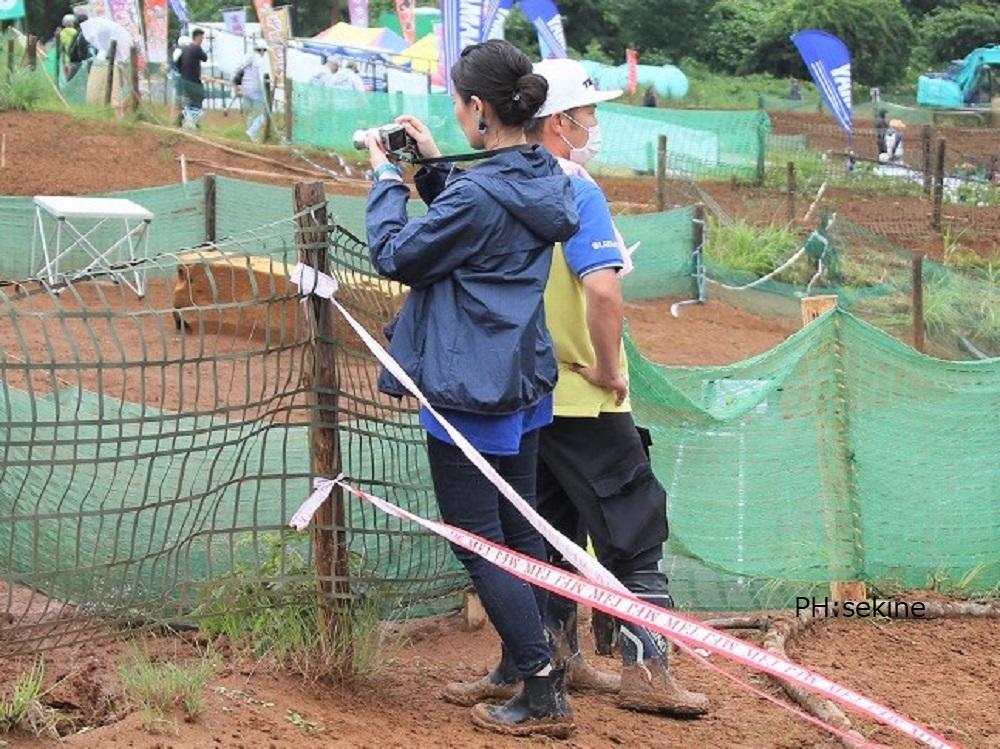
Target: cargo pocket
<point>634,506</point>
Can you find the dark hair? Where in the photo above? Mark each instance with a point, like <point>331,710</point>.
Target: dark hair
<point>499,73</point>
<point>197,32</point>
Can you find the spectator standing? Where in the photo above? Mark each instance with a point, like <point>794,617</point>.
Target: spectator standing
<point>191,87</point>
<point>251,82</point>
<point>881,125</point>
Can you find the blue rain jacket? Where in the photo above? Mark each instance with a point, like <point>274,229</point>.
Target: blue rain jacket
<point>472,331</point>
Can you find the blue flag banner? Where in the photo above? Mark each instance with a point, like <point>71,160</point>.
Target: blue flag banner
<point>494,17</point>
<point>450,49</point>
<point>463,22</point>
<point>829,64</point>
<point>179,7</point>
<point>544,16</point>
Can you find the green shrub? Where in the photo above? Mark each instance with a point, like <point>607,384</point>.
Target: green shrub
<point>952,33</point>
<point>22,91</point>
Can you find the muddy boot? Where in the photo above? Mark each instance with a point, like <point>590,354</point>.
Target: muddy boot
<point>541,708</point>
<point>647,684</point>
<point>581,676</point>
<point>501,683</point>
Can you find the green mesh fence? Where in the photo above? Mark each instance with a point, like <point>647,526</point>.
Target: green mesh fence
<point>179,221</point>
<point>154,448</point>
<point>697,142</point>
<point>841,454</point>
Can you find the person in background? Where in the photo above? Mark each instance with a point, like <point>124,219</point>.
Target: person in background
<point>67,41</point>
<point>594,474</point>
<point>329,66</point>
<point>881,125</point>
<point>649,98</point>
<point>472,335</point>
<point>795,94</point>
<point>355,80</point>
<point>894,141</point>
<point>192,89</point>
<point>335,76</point>
<point>250,80</point>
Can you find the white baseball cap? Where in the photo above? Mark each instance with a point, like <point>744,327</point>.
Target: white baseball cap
<point>260,45</point>
<point>569,86</point>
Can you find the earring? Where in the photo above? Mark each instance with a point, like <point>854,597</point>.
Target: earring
<point>482,127</point>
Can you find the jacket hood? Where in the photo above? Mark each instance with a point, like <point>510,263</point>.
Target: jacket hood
<point>529,184</point>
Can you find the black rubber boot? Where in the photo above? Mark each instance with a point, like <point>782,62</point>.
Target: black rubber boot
<point>501,683</point>
<point>541,708</point>
<point>561,627</point>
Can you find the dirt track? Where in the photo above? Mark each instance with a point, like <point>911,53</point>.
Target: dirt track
<point>251,704</point>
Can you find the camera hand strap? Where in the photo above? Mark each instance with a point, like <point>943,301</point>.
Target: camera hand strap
<point>467,156</point>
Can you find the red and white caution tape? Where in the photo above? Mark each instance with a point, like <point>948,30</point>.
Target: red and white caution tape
<point>597,587</point>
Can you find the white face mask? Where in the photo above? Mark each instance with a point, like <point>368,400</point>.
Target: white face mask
<point>590,148</point>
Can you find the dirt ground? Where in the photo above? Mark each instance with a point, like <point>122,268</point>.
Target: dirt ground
<point>55,154</point>
<point>709,334</point>
<point>253,704</point>
<point>137,354</point>
<point>976,145</point>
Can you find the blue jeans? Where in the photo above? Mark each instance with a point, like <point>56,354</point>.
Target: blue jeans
<point>469,501</point>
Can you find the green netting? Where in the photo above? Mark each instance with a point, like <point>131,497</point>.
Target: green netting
<point>697,142</point>
<point>150,450</point>
<point>179,221</point>
<point>841,454</point>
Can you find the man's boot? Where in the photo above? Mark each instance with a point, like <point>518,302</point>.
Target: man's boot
<point>501,683</point>
<point>541,708</point>
<point>581,676</point>
<point>647,684</point>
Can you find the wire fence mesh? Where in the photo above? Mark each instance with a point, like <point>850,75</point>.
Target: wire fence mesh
<point>153,449</point>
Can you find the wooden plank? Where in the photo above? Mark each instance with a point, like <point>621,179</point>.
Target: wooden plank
<point>814,306</point>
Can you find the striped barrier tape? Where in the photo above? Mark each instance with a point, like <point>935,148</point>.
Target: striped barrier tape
<point>596,586</point>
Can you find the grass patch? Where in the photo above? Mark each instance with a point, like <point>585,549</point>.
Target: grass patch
<point>276,612</point>
<point>742,247</point>
<point>157,689</point>
<point>23,91</point>
<point>24,711</point>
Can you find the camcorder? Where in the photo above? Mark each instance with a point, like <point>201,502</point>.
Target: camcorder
<point>394,139</point>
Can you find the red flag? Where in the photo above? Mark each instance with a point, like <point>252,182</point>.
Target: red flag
<point>155,16</point>
<point>632,58</point>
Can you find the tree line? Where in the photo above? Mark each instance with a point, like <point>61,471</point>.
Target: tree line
<point>890,40</point>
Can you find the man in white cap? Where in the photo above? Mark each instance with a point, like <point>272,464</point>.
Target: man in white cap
<point>594,473</point>
<point>250,81</point>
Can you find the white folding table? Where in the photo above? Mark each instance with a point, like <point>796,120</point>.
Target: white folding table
<point>65,236</point>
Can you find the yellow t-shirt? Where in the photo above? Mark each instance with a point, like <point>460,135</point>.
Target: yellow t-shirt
<point>566,317</point>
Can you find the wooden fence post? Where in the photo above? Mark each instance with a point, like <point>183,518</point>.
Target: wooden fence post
<point>10,58</point>
<point>288,109</point>
<point>938,195</point>
<point>661,173</point>
<point>211,201</point>
<point>918,301</point>
<point>329,534</point>
<point>31,51</point>
<point>133,60</point>
<point>112,56</point>
<point>925,146</point>
<point>761,152</point>
<point>269,99</point>
<point>791,191</point>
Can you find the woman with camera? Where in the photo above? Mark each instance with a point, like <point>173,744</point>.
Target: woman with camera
<point>472,335</point>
